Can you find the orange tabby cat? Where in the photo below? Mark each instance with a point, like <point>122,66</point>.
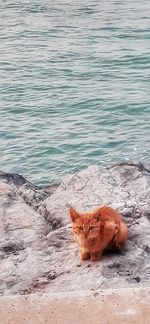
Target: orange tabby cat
<point>95,231</point>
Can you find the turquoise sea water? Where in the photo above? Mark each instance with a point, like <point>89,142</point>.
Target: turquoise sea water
<point>74,85</point>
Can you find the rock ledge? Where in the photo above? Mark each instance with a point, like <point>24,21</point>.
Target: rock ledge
<point>37,250</point>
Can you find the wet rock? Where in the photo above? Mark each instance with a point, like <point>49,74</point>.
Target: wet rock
<point>13,179</point>
<point>37,250</point>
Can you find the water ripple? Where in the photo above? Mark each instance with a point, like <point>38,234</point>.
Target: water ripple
<point>74,85</point>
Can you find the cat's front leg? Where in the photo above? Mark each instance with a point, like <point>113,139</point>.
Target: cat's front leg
<point>84,255</point>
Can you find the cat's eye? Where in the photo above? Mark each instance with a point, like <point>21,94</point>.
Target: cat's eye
<point>91,228</point>
<point>80,228</point>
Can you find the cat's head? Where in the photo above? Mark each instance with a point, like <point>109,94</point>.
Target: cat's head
<point>87,225</point>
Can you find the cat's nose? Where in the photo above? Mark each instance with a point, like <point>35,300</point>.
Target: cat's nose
<point>85,235</point>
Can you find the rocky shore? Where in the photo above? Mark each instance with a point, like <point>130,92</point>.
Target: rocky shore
<point>37,250</point>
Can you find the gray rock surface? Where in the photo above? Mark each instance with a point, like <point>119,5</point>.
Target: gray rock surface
<point>37,250</point>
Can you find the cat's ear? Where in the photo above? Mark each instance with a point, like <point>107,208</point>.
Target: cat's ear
<point>74,214</point>
<point>97,215</point>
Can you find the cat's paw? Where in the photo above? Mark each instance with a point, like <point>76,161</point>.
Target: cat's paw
<point>95,256</point>
<point>84,256</point>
